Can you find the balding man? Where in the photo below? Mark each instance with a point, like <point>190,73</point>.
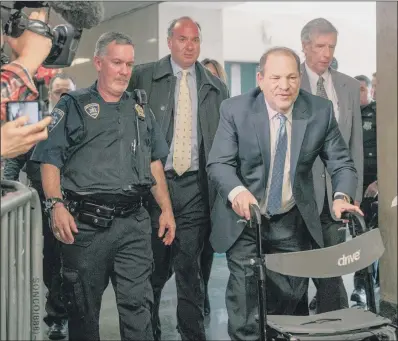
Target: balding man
<point>185,99</point>
<point>265,146</point>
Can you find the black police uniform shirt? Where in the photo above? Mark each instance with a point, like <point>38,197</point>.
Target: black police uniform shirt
<point>107,163</point>
<point>369,142</point>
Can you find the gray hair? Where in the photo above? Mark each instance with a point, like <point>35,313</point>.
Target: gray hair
<point>278,50</point>
<point>105,39</point>
<point>316,26</point>
<point>175,21</point>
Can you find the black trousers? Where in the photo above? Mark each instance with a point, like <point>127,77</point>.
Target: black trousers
<point>284,294</point>
<point>331,293</point>
<point>190,205</point>
<point>122,253</point>
<point>55,309</point>
<point>359,276</point>
<point>206,260</point>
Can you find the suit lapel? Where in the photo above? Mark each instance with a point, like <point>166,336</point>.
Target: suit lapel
<point>299,125</point>
<point>305,81</point>
<point>260,122</point>
<point>341,92</point>
<point>163,82</point>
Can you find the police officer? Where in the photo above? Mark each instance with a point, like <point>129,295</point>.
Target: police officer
<point>101,159</point>
<point>56,318</point>
<point>368,111</point>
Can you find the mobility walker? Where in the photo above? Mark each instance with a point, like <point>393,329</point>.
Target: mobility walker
<point>353,324</point>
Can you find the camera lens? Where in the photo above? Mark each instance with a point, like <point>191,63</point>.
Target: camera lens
<point>60,35</point>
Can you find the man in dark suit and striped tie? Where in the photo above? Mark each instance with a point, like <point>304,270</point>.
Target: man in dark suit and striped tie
<point>263,152</point>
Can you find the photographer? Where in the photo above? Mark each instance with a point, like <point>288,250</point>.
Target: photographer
<point>56,318</point>
<point>31,50</point>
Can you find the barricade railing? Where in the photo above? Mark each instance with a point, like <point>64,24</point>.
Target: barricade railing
<point>21,263</point>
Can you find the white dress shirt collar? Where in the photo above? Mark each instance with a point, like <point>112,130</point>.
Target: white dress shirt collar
<point>272,112</point>
<point>314,77</point>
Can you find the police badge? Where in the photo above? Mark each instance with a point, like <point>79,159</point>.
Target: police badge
<point>139,111</point>
<point>57,115</point>
<point>92,109</point>
<point>367,125</point>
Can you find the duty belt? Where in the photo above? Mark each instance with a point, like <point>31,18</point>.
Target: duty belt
<point>100,214</point>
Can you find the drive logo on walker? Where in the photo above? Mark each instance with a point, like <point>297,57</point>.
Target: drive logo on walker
<point>346,260</point>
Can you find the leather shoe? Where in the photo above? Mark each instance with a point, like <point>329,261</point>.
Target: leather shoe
<point>58,330</point>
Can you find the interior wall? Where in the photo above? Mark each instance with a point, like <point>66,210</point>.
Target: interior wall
<point>141,25</point>
<point>387,112</point>
<point>251,28</point>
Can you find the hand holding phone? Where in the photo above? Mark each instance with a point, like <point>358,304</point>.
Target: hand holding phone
<point>19,109</point>
<point>18,138</point>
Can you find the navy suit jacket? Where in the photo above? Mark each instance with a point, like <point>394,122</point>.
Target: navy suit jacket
<point>240,155</point>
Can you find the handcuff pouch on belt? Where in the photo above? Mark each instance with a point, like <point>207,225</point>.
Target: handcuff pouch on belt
<point>99,215</point>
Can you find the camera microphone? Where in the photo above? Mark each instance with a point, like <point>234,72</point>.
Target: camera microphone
<point>65,38</point>
<point>80,14</point>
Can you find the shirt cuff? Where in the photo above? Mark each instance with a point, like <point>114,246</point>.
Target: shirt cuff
<point>341,193</point>
<point>235,192</point>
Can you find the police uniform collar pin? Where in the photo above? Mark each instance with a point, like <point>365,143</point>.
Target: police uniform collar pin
<point>140,111</point>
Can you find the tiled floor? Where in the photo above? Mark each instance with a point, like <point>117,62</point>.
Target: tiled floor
<point>217,323</point>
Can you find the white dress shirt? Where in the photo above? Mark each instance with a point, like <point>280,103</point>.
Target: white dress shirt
<point>330,91</point>
<point>287,201</point>
<point>329,87</point>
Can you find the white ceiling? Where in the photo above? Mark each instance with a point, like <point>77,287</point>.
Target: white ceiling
<point>205,4</point>
<point>114,8</point>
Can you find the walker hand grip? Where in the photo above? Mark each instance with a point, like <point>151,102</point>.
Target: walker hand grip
<point>255,215</point>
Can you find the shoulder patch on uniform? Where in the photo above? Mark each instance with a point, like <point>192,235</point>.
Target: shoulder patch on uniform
<point>92,109</point>
<point>57,116</point>
<point>140,111</point>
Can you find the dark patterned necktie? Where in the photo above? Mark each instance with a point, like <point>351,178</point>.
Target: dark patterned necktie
<point>278,169</point>
<point>320,88</point>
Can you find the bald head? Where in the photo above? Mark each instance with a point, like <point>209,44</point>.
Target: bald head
<point>184,38</point>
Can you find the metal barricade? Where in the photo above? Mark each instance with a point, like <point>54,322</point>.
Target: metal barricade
<point>21,263</point>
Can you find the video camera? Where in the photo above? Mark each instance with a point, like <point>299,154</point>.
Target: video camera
<point>65,38</point>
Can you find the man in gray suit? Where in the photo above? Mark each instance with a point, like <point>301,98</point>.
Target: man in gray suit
<point>265,145</point>
<point>319,39</point>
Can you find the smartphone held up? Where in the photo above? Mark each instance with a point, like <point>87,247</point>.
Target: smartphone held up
<point>28,108</point>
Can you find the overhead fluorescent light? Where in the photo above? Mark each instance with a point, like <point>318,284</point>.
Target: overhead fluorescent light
<point>152,40</point>
<point>78,61</point>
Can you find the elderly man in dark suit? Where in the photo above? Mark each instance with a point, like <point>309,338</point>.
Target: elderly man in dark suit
<point>185,99</point>
<point>319,39</point>
<point>263,152</point>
